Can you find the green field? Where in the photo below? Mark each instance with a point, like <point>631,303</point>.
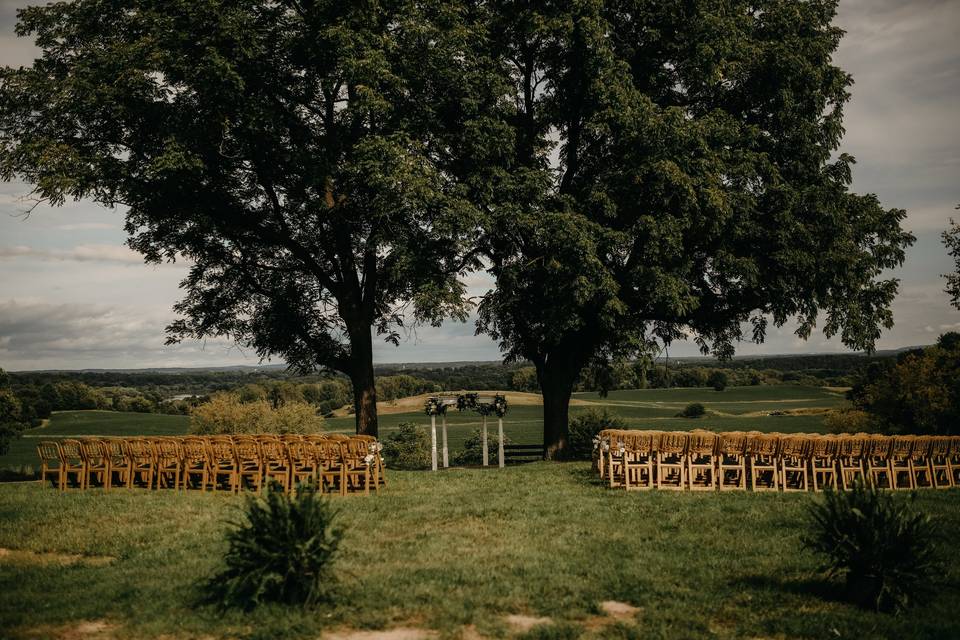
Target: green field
<point>736,408</point>
<point>456,552</point>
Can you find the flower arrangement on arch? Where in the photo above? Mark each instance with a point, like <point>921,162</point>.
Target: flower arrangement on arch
<point>435,406</point>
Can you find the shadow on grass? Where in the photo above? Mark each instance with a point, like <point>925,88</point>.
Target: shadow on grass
<point>583,475</point>
<point>827,590</point>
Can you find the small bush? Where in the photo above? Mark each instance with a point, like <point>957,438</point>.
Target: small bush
<point>693,410</point>
<point>225,413</point>
<point>282,550</point>
<point>585,427</point>
<point>472,452</point>
<point>407,448</point>
<point>848,421</point>
<point>881,546</point>
<point>718,380</point>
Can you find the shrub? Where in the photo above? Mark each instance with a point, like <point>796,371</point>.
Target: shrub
<point>407,448</point>
<point>718,380</point>
<point>881,546</point>
<point>225,413</point>
<point>472,452</point>
<point>282,550</point>
<point>585,427</point>
<point>693,410</point>
<point>848,421</point>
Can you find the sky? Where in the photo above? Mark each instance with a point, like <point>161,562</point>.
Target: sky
<point>73,296</point>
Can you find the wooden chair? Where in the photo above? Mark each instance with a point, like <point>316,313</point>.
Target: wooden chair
<point>71,460</point>
<point>953,460</point>
<point>168,457</point>
<point>276,463</point>
<point>940,462</point>
<point>899,462</point>
<point>249,463</point>
<point>823,462</point>
<point>601,449</point>
<point>304,467</point>
<point>850,452</point>
<point>221,463</point>
<point>638,469</point>
<point>671,456</point>
<point>793,459</point>
<point>732,460</point>
<point>702,460</point>
<point>763,457</point>
<point>615,456</point>
<point>921,468</point>
<point>194,462</point>
<point>96,463</point>
<point>116,451</point>
<point>332,470</point>
<point>51,463</point>
<point>358,468</point>
<point>142,463</point>
<point>877,458</point>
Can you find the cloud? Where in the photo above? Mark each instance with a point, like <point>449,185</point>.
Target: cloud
<point>79,253</point>
<point>43,335</point>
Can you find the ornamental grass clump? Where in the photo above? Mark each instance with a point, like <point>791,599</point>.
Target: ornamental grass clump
<point>881,546</point>
<point>281,550</point>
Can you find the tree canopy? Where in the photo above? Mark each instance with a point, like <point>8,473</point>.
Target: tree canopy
<point>675,174</point>
<point>311,160</point>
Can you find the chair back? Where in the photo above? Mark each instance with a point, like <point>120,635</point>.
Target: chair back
<point>732,443</point>
<point>70,451</point>
<point>851,446</point>
<point>878,446</point>
<point>672,442</point>
<point>824,446</point>
<point>49,451</point>
<point>702,443</point>
<point>638,442</point>
<point>763,444</point>
<point>901,446</point>
<point>93,452</point>
<point>167,450</point>
<point>922,447</point>
<point>795,446</point>
<point>140,450</point>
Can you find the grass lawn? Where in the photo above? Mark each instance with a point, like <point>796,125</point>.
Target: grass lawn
<point>449,550</point>
<point>736,408</point>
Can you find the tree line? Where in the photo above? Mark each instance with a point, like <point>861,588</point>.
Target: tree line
<point>630,173</point>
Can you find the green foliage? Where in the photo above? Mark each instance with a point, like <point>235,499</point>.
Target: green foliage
<point>472,452</point>
<point>524,379</point>
<point>951,239</point>
<point>917,393</point>
<point>281,550</point>
<point>878,543</point>
<point>314,164</point>
<point>693,410</point>
<point>848,421</point>
<point>718,380</point>
<point>553,631</point>
<point>687,184</point>
<point>407,448</point>
<point>224,413</point>
<point>584,428</point>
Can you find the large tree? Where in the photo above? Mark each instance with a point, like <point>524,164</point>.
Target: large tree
<point>675,174</point>
<point>311,159</point>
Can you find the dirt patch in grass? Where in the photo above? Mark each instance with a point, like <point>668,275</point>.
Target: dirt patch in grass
<point>83,630</point>
<point>400,633</point>
<point>522,623</point>
<point>17,556</point>
<point>619,610</point>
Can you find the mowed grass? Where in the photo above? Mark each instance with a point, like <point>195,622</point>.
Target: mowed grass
<point>448,550</point>
<point>736,408</point>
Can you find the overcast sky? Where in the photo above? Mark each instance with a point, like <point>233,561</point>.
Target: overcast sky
<point>73,296</point>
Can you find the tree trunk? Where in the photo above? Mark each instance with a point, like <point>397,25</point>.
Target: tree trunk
<point>363,381</point>
<point>556,385</point>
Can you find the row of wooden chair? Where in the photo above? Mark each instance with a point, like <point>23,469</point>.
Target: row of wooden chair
<point>335,462</point>
<point>705,460</point>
